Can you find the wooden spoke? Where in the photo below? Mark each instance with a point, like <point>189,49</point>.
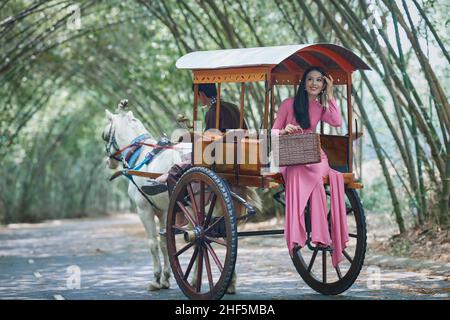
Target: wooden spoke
<point>193,203</point>
<point>208,268</point>
<point>347,256</point>
<point>186,213</point>
<point>324,266</point>
<point>311,263</point>
<point>191,263</point>
<point>214,256</point>
<point>212,226</point>
<point>186,247</point>
<point>212,200</point>
<point>211,194</point>
<point>202,203</point>
<point>218,241</point>
<point>352,235</point>
<point>198,285</point>
<point>338,270</point>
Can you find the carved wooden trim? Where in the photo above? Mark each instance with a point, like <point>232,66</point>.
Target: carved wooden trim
<point>230,75</point>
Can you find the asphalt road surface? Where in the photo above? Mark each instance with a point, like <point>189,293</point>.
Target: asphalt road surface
<point>107,258</point>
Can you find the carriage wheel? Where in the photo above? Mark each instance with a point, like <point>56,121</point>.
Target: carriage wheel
<point>314,263</point>
<point>203,252</point>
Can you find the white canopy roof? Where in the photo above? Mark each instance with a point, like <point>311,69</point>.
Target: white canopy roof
<point>216,59</point>
<point>233,58</point>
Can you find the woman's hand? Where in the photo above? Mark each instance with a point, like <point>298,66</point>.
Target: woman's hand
<point>290,128</point>
<point>329,81</point>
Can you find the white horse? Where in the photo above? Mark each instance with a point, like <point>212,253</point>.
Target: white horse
<point>121,130</point>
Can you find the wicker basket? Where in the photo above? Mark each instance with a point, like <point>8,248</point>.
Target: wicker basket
<point>296,148</point>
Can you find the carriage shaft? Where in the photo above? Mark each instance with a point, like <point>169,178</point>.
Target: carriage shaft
<point>260,233</point>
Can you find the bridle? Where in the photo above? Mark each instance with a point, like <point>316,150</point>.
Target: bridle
<point>111,142</point>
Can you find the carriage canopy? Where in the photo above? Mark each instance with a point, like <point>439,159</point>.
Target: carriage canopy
<point>279,64</point>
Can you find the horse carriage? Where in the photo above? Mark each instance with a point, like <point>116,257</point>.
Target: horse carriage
<point>203,252</point>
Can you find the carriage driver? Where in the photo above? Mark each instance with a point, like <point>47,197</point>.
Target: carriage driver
<point>228,119</point>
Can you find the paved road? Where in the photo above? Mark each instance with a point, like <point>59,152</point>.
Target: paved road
<point>39,262</point>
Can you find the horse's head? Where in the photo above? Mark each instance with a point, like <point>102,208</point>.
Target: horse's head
<point>121,129</point>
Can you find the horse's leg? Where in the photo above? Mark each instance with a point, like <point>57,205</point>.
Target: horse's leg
<point>165,280</point>
<point>148,219</point>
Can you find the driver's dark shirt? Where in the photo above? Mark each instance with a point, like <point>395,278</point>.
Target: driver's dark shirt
<point>228,118</point>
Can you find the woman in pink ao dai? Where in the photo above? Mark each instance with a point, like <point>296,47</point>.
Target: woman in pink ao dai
<point>303,182</point>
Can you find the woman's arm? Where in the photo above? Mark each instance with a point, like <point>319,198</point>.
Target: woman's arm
<point>331,114</point>
<point>280,120</point>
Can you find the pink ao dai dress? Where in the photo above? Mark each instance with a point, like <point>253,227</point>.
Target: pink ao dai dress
<point>303,182</point>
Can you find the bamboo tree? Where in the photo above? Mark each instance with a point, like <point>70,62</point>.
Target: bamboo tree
<point>381,158</point>
<point>421,189</point>
<point>433,31</point>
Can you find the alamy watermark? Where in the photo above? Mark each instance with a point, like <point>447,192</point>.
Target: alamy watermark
<point>73,280</point>
<point>373,278</point>
<point>74,20</point>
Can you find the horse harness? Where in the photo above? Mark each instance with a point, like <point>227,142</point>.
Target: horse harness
<point>130,153</point>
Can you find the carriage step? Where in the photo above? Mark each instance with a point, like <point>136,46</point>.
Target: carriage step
<point>250,210</point>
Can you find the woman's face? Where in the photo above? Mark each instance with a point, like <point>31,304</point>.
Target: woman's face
<point>314,83</point>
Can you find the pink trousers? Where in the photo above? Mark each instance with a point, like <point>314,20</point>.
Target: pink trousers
<point>305,182</point>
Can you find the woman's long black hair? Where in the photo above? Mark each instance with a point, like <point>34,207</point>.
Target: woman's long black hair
<point>301,102</point>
